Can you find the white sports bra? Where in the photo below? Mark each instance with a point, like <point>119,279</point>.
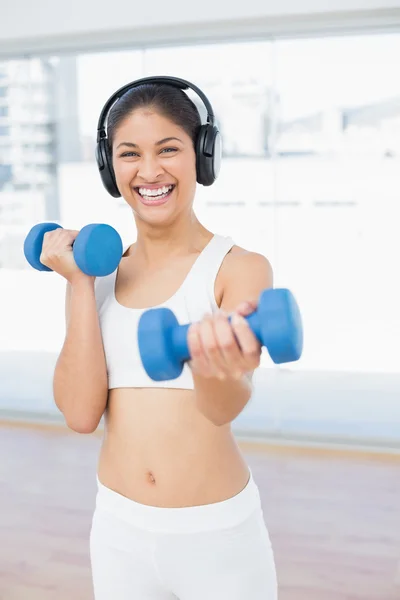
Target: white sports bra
<point>190,302</point>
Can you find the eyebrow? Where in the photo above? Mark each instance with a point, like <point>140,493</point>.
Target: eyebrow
<point>163,141</point>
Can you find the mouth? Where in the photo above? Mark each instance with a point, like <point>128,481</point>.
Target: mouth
<point>154,196</point>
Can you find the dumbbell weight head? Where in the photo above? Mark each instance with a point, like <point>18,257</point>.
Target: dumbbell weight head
<point>33,244</point>
<point>277,323</point>
<point>98,249</point>
<point>162,353</point>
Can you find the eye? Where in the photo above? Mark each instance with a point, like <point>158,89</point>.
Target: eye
<point>169,150</point>
<point>127,154</point>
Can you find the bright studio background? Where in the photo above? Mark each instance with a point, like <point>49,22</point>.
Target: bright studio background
<point>310,178</point>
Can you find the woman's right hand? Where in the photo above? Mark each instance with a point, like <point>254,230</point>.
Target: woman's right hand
<point>57,254</point>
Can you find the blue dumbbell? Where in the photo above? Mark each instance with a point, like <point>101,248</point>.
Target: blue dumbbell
<point>97,248</point>
<point>276,323</point>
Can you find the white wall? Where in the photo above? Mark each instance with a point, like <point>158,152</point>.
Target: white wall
<point>53,26</point>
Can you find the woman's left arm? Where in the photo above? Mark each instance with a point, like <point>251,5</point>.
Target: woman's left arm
<point>225,354</point>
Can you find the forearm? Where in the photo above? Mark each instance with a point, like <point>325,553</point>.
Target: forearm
<point>221,401</point>
<point>80,377</point>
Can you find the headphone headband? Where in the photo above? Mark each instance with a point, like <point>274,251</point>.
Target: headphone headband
<point>175,81</point>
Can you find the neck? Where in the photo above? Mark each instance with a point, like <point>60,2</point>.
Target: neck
<point>155,245</point>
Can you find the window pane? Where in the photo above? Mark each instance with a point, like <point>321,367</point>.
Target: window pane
<point>27,190</point>
<point>339,158</point>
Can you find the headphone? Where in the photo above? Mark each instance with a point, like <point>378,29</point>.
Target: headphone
<point>208,145</point>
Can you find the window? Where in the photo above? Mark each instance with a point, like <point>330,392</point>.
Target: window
<point>311,132</point>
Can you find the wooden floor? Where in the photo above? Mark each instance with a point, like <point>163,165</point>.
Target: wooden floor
<point>334,519</point>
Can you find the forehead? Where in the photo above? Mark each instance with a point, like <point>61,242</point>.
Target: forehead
<point>146,120</point>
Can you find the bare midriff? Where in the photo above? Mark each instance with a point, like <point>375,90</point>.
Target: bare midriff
<point>159,450</point>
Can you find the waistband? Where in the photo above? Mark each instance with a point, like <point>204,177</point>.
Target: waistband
<point>188,519</point>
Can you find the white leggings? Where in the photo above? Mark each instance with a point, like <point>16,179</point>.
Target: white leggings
<point>219,551</point>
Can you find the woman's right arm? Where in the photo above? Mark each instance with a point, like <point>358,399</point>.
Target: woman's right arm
<point>80,383</point>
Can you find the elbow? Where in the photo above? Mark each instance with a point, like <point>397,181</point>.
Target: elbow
<point>222,419</point>
<point>81,414</point>
<point>82,421</point>
<point>82,425</point>
<point>218,420</point>
<point>221,422</point>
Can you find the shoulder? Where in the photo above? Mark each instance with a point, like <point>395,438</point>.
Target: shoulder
<point>243,276</point>
<point>240,261</point>
<point>239,258</point>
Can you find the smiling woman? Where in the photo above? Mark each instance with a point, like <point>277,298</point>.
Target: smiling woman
<point>174,492</point>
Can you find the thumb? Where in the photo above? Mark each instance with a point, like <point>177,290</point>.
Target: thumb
<point>246,308</point>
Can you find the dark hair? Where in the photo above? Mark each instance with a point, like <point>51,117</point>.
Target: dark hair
<point>168,100</point>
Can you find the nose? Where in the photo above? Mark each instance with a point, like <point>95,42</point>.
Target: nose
<point>149,169</point>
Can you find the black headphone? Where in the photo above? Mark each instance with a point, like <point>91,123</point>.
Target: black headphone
<point>208,144</point>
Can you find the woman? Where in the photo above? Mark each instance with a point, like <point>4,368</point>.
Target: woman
<point>178,514</point>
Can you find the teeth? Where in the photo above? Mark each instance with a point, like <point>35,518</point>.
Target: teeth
<point>155,192</point>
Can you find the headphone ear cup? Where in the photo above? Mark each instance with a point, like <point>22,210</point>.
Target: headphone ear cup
<point>104,164</point>
<point>208,154</point>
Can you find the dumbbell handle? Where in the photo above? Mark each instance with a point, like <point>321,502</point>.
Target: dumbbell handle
<point>179,336</point>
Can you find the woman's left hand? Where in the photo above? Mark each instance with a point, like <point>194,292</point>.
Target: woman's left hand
<point>222,349</point>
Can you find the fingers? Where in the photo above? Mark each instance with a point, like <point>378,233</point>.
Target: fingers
<point>56,242</point>
<point>223,349</point>
<point>57,254</point>
<point>199,362</point>
<point>230,357</point>
<point>205,350</point>
<point>59,238</point>
<point>249,344</point>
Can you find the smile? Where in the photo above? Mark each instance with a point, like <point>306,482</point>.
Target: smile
<point>154,196</point>
<point>158,192</point>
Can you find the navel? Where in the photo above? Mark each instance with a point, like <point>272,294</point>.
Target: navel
<point>151,477</point>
